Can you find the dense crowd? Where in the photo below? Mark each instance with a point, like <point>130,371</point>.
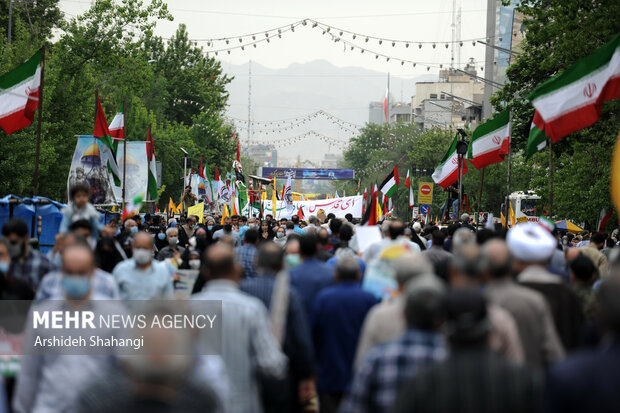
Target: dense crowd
<point>480,319</point>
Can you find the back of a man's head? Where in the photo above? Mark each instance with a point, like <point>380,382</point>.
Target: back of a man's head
<point>466,264</point>
<point>347,269</point>
<point>290,225</point>
<point>467,323</point>
<point>583,269</point>
<point>425,302</point>
<point>346,232</point>
<point>462,237</point>
<point>497,259</point>
<point>270,258</point>
<point>396,229</point>
<point>334,226</point>
<point>417,228</point>
<point>322,236</point>
<point>295,219</point>
<point>220,262</point>
<point>438,237</point>
<point>411,265</point>
<point>251,236</point>
<point>15,226</point>
<point>598,239</point>
<point>308,245</point>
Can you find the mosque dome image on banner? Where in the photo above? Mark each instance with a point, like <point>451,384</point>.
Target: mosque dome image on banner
<point>132,163</point>
<point>91,156</point>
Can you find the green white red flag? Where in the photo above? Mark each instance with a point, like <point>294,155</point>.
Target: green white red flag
<point>537,139</point>
<point>447,172</point>
<point>19,95</point>
<point>573,99</point>
<point>150,156</point>
<point>490,141</point>
<point>132,207</point>
<point>102,132</point>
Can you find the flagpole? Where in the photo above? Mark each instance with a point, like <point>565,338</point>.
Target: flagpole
<point>509,164</point>
<point>39,116</point>
<point>550,212</point>
<point>480,195</point>
<point>124,152</point>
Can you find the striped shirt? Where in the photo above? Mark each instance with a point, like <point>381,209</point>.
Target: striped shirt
<point>248,347</point>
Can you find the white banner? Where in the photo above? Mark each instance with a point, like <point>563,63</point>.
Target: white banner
<point>137,180</point>
<point>339,207</point>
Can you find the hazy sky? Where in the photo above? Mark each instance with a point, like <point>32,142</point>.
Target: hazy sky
<point>412,20</point>
<point>416,20</point>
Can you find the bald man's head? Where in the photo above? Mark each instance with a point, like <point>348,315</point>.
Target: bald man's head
<point>572,253</point>
<point>497,258</point>
<point>78,259</point>
<point>143,240</point>
<point>220,262</point>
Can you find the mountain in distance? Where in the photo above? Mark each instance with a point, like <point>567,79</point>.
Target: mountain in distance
<point>305,88</point>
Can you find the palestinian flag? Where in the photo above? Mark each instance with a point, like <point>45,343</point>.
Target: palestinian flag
<point>388,186</point>
<point>447,172</point>
<point>150,156</point>
<point>117,126</point>
<point>132,207</point>
<point>573,99</point>
<point>19,94</point>
<point>102,132</point>
<point>300,212</point>
<point>537,140</point>
<point>490,141</point>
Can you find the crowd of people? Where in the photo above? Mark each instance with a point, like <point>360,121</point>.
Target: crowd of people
<point>482,319</point>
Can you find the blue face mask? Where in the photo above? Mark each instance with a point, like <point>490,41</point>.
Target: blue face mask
<point>76,286</point>
<point>58,260</point>
<point>292,260</point>
<point>4,266</point>
<point>161,236</point>
<point>134,230</point>
<point>210,227</point>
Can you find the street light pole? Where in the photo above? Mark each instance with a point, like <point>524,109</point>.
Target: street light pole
<point>461,150</point>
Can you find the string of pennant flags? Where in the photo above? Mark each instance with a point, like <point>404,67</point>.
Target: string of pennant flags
<point>284,125</point>
<point>299,138</point>
<point>251,40</point>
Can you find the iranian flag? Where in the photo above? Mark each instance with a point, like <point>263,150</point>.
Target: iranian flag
<point>537,139</point>
<point>132,207</point>
<point>573,99</point>
<point>408,180</point>
<point>447,172</point>
<point>19,95</point>
<point>150,156</point>
<point>490,141</point>
<point>117,126</point>
<point>388,186</point>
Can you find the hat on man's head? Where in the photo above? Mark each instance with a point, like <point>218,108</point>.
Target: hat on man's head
<point>530,242</point>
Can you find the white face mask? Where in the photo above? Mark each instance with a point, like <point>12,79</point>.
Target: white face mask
<point>280,234</point>
<point>194,264</point>
<point>173,240</point>
<point>142,256</point>
<point>252,225</point>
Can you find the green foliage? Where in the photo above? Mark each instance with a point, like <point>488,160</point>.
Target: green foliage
<point>559,33</point>
<point>111,47</point>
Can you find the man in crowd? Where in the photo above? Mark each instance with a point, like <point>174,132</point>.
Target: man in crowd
<point>437,255</point>
<point>186,231</point>
<point>141,278</point>
<point>248,347</point>
<point>101,283</point>
<point>50,382</point>
<point>486,382</point>
<point>386,321</point>
<point>388,366</point>
<point>227,231</point>
<point>268,287</point>
<point>27,264</point>
<point>337,316</point>
<point>312,275</point>
<point>173,250</point>
<point>539,338</point>
<point>246,253</point>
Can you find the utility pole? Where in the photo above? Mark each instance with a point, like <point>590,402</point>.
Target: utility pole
<point>453,33</point>
<point>249,103</point>
<point>489,56</point>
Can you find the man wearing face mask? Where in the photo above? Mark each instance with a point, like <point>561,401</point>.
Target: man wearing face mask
<point>173,250</point>
<point>250,224</point>
<point>52,285</point>
<point>130,228</point>
<point>210,225</point>
<point>52,382</point>
<point>186,231</point>
<point>227,230</point>
<point>27,264</point>
<point>141,278</point>
<point>11,288</point>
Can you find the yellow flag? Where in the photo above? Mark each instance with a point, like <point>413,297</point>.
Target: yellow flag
<point>512,216</point>
<point>224,214</point>
<point>179,208</point>
<point>378,211</point>
<point>615,175</point>
<point>171,207</point>
<point>502,218</point>
<point>197,210</point>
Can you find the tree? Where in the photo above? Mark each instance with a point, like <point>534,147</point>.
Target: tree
<point>559,33</point>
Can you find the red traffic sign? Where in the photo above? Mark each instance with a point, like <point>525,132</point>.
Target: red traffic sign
<point>425,189</point>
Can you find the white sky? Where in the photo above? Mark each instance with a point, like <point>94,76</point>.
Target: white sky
<point>398,19</point>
